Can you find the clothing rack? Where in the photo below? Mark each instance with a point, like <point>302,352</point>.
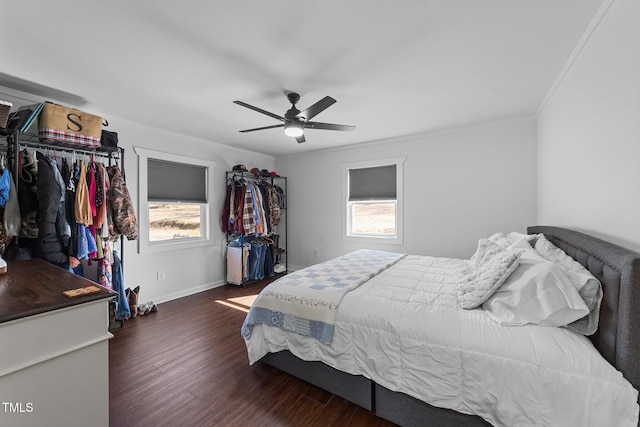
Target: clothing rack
<point>276,241</point>
<point>250,177</point>
<point>16,141</point>
<point>113,154</point>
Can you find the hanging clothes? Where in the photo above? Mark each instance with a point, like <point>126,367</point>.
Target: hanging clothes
<point>227,217</point>
<point>62,225</point>
<point>124,218</point>
<point>264,209</point>
<point>86,243</point>
<point>5,185</point>
<point>248,213</point>
<point>82,207</point>
<point>251,213</point>
<point>251,208</point>
<point>274,207</point>
<point>27,200</point>
<point>91,234</point>
<point>11,218</point>
<point>123,311</point>
<point>69,176</point>
<point>107,224</point>
<point>105,277</point>
<point>101,207</point>
<point>239,193</point>
<point>281,197</point>
<point>49,244</point>
<point>91,187</point>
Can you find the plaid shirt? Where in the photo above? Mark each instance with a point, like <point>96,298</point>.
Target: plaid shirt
<point>248,216</point>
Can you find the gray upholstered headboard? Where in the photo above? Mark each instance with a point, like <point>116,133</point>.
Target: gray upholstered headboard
<point>618,269</point>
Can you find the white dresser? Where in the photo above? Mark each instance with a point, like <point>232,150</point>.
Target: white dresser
<point>54,354</point>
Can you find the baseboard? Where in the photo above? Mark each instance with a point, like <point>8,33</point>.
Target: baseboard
<point>191,291</point>
<point>292,268</point>
<point>197,289</point>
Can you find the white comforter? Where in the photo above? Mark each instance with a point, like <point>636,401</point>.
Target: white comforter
<point>404,330</point>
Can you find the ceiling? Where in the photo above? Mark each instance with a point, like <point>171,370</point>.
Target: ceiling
<point>396,68</point>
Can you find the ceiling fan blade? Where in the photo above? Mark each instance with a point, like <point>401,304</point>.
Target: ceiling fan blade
<point>317,108</point>
<point>260,110</point>
<point>263,128</point>
<point>300,139</point>
<point>328,126</point>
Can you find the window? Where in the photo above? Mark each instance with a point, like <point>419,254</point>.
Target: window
<point>373,194</point>
<point>174,201</point>
<point>176,195</point>
<point>171,221</point>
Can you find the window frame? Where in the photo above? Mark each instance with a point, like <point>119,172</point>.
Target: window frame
<point>206,219</point>
<point>346,217</point>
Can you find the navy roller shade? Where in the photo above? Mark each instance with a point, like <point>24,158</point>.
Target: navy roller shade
<point>176,182</point>
<point>374,183</point>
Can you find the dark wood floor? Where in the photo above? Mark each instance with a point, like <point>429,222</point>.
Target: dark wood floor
<point>186,365</point>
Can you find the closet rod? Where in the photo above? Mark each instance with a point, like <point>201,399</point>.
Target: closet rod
<point>46,146</point>
<point>254,178</point>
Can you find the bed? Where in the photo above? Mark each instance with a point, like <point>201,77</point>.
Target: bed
<point>464,385</point>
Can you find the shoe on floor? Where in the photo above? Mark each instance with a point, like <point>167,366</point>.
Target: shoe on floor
<point>143,309</point>
<point>147,307</point>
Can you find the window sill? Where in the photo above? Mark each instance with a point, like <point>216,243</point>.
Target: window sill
<point>374,239</point>
<point>171,245</point>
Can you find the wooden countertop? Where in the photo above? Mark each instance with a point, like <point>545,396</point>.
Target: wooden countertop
<point>36,286</point>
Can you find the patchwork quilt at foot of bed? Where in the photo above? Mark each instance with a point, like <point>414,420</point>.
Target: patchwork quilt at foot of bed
<point>404,330</point>
<point>306,301</point>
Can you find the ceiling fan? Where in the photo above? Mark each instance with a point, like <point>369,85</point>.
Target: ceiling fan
<point>295,121</point>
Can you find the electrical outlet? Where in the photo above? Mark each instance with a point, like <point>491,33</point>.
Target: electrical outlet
<point>316,253</point>
<point>161,275</point>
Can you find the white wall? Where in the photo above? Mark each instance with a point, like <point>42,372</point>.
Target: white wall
<point>589,133</point>
<point>459,185</point>
<point>186,271</point>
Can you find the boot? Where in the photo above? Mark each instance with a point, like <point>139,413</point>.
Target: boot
<point>112,313</point>
<point>132,299</point>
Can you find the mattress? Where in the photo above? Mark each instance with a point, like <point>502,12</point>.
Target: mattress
<point>404,330</point>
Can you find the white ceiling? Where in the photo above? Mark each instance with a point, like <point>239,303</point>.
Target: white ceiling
<point>395,67</point>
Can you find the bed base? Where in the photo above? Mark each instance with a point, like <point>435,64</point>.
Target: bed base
<point>396,407</point>
<point>617,338</point>
<point>354,388</point>
<point>408,411</point>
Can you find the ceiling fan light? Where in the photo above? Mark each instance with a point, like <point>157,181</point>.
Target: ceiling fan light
<point>293,129</point>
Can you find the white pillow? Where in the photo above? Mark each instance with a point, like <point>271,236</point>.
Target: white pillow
<point>538,292</point>
<point>514,236</point>
<point>485,272</point>
<point>589,288</point>
<point>500,239</point>
<point>497,238</point>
